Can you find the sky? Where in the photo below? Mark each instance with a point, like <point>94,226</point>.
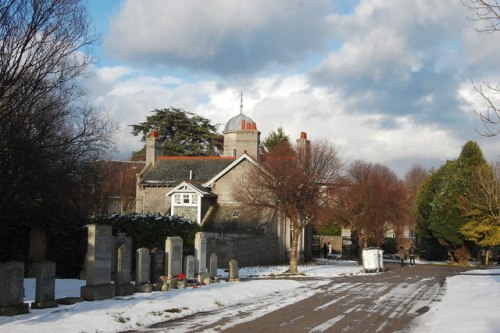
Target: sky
<point>469,304</point>
<point>386,81</point>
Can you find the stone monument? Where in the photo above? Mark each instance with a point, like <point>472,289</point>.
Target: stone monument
<point>213,265</point>
<point>142,271</point>
<point>11,289</point>
<point>234,271</point>
<point>189,267</point>
<point>123,287</point>
<point>99,253</point>
<point>45,285</point>
<point>200,253</point>
<point>173,256</point>
<point>157,267</point>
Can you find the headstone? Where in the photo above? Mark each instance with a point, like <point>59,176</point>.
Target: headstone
<point>213,265</point>
<point>123,287</point>
<point>38,249</point>
<point>200,253</point>
<point>142,271</point>
<point>189,267</point>
<point>234,274</point>
<point>173,256</point>
<point>157,267</point>
<point>45,286</point>
<point>118,241</point>
<point>11,289</point>
<point>99,253</point>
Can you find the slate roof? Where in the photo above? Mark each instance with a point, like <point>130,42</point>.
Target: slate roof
<point>170,171</point>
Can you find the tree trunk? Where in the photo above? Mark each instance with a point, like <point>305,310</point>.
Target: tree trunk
<point>294,258</point>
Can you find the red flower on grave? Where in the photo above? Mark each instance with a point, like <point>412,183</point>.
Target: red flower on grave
<point>180,277</point>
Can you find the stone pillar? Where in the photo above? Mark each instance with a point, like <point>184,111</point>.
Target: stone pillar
<point>142,271</point>
<point>123,287</point>
<point>11,289</point>
<point>173,256</point>
<point>45,285</point>
<point>234,274</point>
<point>99,252</point>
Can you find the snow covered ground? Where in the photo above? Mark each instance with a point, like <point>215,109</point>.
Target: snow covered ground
<point>470,303</point>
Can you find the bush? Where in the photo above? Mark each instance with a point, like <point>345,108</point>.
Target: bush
<point>390,245</point>
<point>150,231</point>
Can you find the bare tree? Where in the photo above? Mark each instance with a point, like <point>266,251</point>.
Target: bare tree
<point>413,181</point>
<point>46,128</point>
<point>487,12</point>
<point>374,200</point>
<point>294,182</point>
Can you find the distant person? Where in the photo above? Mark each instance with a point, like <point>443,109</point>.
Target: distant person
<point>401,254</point>
<point>411,252</point>
<point>329,249</point>
<point>325,250</point>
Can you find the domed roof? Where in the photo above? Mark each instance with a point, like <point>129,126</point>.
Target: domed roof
<point>239,123</point>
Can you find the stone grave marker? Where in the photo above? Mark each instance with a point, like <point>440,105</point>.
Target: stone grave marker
<point>234,274</point>
<point>45,285</point>
<point>157,267</point>
<point>200,253</point>
<point>123,287</point>
<point>118,241</point>
<point>173,256</point>
<point>11,289</point>
<point>213,265</point>
<point>189,267</point>
<point>99,253</point>
<point>142,271</point>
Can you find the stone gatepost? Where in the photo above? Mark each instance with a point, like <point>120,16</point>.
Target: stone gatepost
<point>142,271</point>
<point>99,252</point>
<point>213,265</point>
<point>234,271</point>
<point>12,288</point>
<point>123,287</point>
<point>157,267</point>
<point>45,285</point>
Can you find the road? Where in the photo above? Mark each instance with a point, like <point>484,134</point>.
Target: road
<point>384,302</point>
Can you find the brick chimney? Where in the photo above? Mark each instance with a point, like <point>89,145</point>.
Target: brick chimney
<point>153,147</point>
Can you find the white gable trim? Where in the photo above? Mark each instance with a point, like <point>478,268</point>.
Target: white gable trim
<point>229,167</point>
<point>178,189</point>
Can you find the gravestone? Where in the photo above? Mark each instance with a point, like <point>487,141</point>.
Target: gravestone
<point>213,265</point>
<point>157,267</point>
<point>38,249</point>
<point>173,256</point>
<point>189,267</point>
<point>12,288</point>
<point>234,271</point>
<point>118,241</point>
<point>99,253</point>
<point>200,253</point>
<point>45,285</point>
<point>142,271</point>
<point>123,287</point>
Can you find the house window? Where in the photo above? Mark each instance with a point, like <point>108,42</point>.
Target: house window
<point>236,213</point>
<point>194,199</point>
<point>177,199</point>
<point>185,198</point>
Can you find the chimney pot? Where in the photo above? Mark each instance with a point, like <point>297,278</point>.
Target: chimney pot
<point>303,135</point>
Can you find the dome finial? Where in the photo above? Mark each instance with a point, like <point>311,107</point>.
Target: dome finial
<point>241,103</point>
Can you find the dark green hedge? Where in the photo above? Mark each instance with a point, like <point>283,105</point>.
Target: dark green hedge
<point>151,231</point>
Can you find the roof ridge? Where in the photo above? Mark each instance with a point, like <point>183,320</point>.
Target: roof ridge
<point>194,158</point>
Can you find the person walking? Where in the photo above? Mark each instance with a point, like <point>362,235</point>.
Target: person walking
<point>402,254</point>
<point>325,250</point>
<point>412,254</point>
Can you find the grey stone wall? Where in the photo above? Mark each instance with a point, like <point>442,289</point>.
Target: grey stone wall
<point>249,250</point>
<point>188,212</point>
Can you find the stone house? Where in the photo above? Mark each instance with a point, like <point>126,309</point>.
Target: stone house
<point>200,189</point>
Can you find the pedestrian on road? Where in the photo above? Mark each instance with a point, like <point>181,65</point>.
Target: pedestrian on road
<point>325,250</point>
<point>411,252</point>
<point>402,254</point>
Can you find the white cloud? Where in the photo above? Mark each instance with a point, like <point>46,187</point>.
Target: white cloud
<point>218,35</point>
